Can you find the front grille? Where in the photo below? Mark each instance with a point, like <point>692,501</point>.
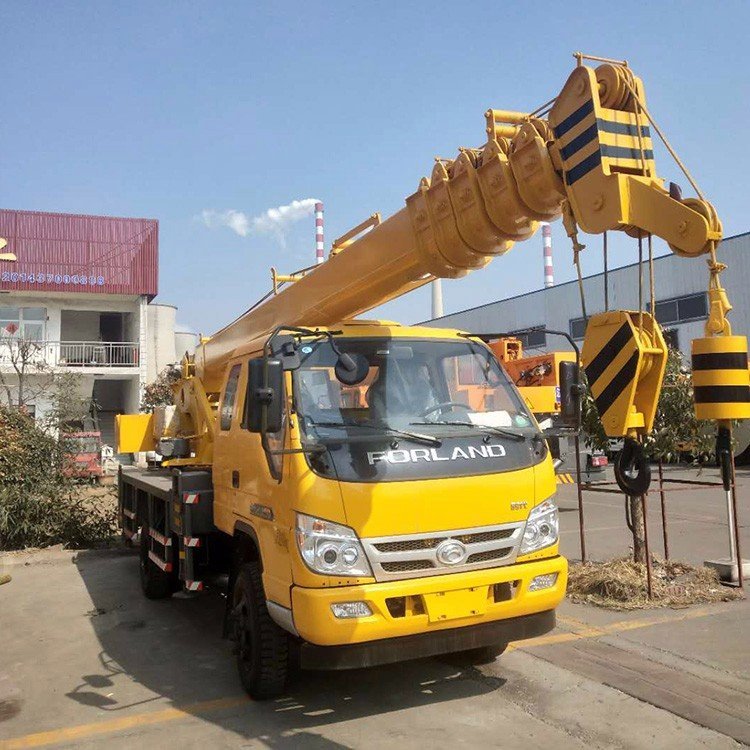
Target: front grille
<point>404,566</point>
<point>415,555</point>
<point>490,554</point>
<point>409,545</point>
<point>486,536</point>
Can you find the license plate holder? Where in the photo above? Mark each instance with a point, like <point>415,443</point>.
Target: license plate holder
<point>454,605</point>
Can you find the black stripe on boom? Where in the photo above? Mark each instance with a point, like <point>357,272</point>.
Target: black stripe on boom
<point>720,361</point>
<point>578,142</point>
<point>619,382</point>
<point>623,152</point>
<point>583,168</point>
<point>721,394</point>
<point>622,128</point>
<point>572,120</point>
<point>608,353</point>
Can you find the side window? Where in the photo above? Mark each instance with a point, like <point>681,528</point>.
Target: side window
<point>230,396</point>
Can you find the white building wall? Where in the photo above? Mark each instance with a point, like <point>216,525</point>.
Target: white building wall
<point>55,303</point>
<point>143,341</point>
<point>161,337</point>
<point>152,326</point>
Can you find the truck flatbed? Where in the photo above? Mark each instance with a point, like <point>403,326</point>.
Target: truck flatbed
<point>156,482</point>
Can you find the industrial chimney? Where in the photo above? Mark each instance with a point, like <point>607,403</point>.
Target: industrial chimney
<point>549,279</point>
<point>319,243</point>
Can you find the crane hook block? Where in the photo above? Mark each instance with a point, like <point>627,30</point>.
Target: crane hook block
<point>632,470</point>
<point>603,146</point>
<point>721,382</point>
<point>624,356</point>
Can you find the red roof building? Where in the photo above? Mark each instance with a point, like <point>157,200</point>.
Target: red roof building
<point>80,254</point>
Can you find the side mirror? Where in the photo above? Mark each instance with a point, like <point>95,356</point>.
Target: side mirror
<point>570,396</point>
<point>264,401</point>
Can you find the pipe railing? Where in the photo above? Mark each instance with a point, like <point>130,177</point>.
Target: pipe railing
<point>70,353</point>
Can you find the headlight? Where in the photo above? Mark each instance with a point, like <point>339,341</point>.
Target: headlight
<point>330,548</point>
<point>541,528</point>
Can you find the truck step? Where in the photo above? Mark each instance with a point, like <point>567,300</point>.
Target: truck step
<point>165,541</point>
<point>165,565</point>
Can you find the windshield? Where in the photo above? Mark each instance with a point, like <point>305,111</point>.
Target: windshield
<point>407,383</point>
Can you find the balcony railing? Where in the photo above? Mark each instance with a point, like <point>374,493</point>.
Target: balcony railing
<point>78,354</point>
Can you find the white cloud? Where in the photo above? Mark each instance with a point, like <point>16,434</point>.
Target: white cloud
<point>235,220</point>
<point>273,222</point>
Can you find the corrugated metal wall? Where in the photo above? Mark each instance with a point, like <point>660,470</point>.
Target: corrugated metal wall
<point>556,306</point>
<point>76,253</point>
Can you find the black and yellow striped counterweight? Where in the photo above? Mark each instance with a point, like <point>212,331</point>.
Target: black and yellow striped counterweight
<point>721,381</point>
<point>624,356</point>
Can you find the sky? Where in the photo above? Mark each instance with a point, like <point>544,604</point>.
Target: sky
<point>208,116</point>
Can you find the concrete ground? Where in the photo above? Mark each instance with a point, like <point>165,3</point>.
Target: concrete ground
<point>86,661</point>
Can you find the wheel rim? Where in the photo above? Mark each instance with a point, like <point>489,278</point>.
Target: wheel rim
<point>243,637</point>
<point>144,561</point>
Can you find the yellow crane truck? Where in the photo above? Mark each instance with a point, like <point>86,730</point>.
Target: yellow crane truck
<point>364,506</point>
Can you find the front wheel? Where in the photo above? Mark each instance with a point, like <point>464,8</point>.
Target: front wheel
<point>262,646</point>
<point>474,657</point>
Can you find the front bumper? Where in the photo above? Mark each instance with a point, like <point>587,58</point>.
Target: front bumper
<point>431,605</point>
<point>422,645</point>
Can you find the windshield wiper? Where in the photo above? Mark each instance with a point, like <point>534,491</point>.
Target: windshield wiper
<point>517,436</point>
<point>417,437</point>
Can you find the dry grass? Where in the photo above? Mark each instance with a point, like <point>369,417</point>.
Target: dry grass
<point>621,585</point>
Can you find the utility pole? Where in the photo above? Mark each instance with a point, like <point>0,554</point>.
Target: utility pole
<point>437,298</point>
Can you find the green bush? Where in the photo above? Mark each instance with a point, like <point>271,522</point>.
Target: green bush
<point>39,505</point>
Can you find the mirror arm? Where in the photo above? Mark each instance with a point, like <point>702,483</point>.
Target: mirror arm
<point>290,451</point>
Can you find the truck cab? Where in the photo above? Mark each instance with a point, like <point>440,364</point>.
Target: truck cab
<point>391,517</point>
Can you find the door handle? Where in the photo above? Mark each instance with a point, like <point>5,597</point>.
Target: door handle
<point>235,478</point>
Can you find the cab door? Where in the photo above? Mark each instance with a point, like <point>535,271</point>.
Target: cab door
<point>262,497</point>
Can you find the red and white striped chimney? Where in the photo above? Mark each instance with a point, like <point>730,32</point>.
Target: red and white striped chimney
<point>549,278</point>
<point>319,243</point>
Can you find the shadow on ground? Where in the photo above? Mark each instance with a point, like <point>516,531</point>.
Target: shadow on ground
<point>172,649</point>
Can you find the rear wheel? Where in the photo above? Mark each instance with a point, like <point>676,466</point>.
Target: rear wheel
<point>262,646</point>
<point>155,583</point>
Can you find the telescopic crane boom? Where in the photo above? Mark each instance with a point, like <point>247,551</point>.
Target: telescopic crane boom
<point>590,160</point>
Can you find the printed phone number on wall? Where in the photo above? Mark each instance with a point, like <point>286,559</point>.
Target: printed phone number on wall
<point>51,278</point>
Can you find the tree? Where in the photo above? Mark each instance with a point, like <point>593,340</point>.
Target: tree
<point>29,376</point>
<point>161,391</point>
<point>676,429</point>
<point>39,503</point>
<point>592,428</point>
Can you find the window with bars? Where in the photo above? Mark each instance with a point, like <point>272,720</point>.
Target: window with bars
<point>669,311</point>
<point>681,309</point>
<point>532,339</point>
<point>23,322</point>
<point>577,328</point>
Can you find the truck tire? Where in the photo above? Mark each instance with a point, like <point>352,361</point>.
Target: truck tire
<point>262,646</point>
<point>155,583</point>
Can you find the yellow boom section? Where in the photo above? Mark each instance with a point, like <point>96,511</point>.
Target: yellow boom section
<point>591,161</point>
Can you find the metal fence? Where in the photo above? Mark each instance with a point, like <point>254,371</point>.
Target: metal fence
<point>70,353</point>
